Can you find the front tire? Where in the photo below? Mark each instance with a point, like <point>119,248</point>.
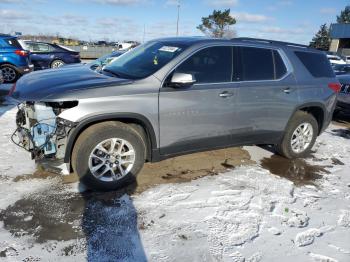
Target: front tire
<point>299,137</point>
<point>108,155</point>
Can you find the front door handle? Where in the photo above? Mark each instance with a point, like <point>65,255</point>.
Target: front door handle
<point>226,94</point>
<point>287,90</point>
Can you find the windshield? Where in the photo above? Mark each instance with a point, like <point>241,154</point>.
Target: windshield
<point>145,60</point>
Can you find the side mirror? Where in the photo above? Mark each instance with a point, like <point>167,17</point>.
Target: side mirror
<point>182,80</point>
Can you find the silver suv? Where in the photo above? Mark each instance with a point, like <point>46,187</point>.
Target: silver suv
<point>171,97</point>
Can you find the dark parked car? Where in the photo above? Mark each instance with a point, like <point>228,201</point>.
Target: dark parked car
<point>341,69</point>
<point>45,55</point>
<point>14,60</point>
<point>176,96</point>
<point>343,101</point>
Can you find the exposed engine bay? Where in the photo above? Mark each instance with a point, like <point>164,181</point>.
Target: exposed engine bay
<point>40,130</point>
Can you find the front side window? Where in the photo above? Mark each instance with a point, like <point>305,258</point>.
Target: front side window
<point>210,65</point>
<point>145,59</point>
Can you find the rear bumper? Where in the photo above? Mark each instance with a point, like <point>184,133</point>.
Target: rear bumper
<point>25,69</point>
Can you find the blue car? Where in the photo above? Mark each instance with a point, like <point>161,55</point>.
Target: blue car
<point>14,60</point>
<point>45,55</point>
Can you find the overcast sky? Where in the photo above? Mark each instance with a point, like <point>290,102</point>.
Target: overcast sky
<point>290,20</point>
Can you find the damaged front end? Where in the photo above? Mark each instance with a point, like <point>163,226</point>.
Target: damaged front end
<point>41,131</point>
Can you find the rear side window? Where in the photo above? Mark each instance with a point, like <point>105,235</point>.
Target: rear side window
<point>210,65</point>
<point>12,42</point>
<point>316,63</point>
<point>257,64</point>
<point>38,47</point>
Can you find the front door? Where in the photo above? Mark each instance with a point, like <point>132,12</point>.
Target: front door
<point>201,116</point>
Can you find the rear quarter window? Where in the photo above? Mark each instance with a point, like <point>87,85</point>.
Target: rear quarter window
<point>280,67</point>
<point>12,42</point>
<point>316,63</point>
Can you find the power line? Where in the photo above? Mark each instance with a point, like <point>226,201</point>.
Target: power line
<point>178,17</point>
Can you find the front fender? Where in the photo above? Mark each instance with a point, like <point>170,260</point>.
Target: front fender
<point>123,117</point>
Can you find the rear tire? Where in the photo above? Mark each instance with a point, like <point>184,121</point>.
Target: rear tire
<point>57,63</point>
<point>9,73</point>
<point>87,156</point>
<point>299,136</point>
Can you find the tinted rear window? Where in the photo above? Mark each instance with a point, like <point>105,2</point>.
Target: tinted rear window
<point>316,63</point>
<point>12,42</point>
<point>257,64</point>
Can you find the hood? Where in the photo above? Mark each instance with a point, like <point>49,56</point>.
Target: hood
<point>48,84</point>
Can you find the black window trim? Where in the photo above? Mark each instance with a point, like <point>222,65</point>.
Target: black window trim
<point>196,51</point>
<point>285,61</point>
<point>284,58</point>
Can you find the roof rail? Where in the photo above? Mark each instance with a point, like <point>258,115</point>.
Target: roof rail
<point>259,40</point>
<point>1,34</point>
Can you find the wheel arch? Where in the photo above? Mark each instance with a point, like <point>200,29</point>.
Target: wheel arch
<point>128,118</point>
<point>7,63</point>
<point>317,110</point>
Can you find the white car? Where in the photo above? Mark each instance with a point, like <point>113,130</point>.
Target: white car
<point>347,59</point>
<point>336,60</point>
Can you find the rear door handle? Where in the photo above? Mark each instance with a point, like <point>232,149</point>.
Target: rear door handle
<point>225,94</point>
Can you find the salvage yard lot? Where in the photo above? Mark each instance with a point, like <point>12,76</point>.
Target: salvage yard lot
<point>238,204</point>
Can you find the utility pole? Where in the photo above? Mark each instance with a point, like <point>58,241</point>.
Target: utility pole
<point>144,33</point>
<point>178,17</point>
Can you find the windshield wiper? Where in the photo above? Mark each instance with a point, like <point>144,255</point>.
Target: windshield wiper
<point>112,72</point>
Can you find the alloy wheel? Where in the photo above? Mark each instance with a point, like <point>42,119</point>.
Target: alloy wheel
<point>112,159</point>
<point>9,74</point>
<point>302,137</point>
<point>57,64</point>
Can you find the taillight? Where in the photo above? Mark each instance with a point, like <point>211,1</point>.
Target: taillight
<point>13,88</point>
<point>21,52</point>
<point>335,87</point>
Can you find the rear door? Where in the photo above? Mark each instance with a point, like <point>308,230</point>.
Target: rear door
<point>201,116</point>
<point>41,55</point>
<point>267,93</point>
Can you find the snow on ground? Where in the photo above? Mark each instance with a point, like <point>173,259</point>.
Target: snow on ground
<point>244,214</point>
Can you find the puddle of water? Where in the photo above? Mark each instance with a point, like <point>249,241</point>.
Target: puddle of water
<point>45,216</point>
<point>296,170</point>
<point>57,215</point>
<point>345,133</point>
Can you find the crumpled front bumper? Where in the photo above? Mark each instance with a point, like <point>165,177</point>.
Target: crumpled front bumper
<point>41,132</point>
